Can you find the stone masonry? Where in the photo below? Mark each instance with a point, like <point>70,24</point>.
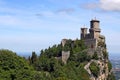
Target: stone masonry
<point>92,38</point>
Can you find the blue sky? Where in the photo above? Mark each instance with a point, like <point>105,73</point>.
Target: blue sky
<point>32,25</point>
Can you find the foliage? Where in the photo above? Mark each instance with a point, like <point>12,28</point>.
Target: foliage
<point>74,46</point>
<point>102,44</point>
<point>53,51</point>
<point>61,78</point>
<point>109,66</point>
<point>94,69</point>
<point>33,58</point>
<point>41,76</point>
<point>78,46</point>
<point>111,77</point>
<point>105,54</point>
<point>73,70</point>
<point>48,65</point>
<point>13,67</point>
<point>95,56</point>
<point>68,45</point>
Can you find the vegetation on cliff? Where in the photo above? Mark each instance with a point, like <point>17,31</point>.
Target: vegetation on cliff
<point>94,69</point>
<point>49,62</point>
<point>48,65</point>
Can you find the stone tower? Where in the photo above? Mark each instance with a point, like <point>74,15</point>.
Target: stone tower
<point>83,33</point>
<point>94,29</point>
<point>92,38</point>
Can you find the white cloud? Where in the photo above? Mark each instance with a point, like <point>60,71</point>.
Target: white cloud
<point>8,20</point>
<point>90,5</point>
<point>110,5</point>
<point>66,10</point>
<point>106,5</point>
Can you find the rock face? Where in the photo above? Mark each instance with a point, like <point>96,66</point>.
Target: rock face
<point>96,46</point>
<point>102,62</point>
<point>99,56</point>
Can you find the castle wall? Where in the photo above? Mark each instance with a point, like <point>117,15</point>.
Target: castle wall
<point>91,39</point>
<point>87,36</point>
<point>91,43</point>
<point>64,42</point>
<point>96,35</point>
<point>65,56</point>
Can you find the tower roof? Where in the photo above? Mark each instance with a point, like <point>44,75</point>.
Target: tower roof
<point>84,28</point>
<point>93,20</point>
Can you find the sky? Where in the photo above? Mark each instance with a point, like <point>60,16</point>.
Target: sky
<point>32,25</point>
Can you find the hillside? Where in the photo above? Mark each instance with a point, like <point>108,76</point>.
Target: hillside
<point>80,65</point>
<point>80,59</point>
<point>51,65</point>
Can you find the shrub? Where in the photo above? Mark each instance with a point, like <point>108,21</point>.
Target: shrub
<point>94,69</point>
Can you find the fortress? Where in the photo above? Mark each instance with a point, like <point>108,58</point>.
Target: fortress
<point>95,51</point>
<point>92,38</point>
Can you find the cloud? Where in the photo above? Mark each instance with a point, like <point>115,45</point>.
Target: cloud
<point>105,5</point>
<point>61,14</point>
<point>110,5</point>
<point>45,14</point>
<point>90,5</point>
<point>66,10</point>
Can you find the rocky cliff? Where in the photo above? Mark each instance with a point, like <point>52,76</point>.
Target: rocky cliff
<point>98,66</point>
<point>102,63</point>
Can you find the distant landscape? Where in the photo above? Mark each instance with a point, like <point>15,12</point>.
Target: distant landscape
<point>115,60</point>
<point>112,56</point>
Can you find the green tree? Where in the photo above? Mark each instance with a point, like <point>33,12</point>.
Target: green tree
<point>105,54</point>
<point>94,69</point>
<point>95,56</point>
<point>13,67</point>
<point>109,66</point>
<point>33,58</point>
